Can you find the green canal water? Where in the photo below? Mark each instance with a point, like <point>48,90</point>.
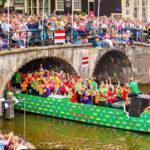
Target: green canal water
<point>52,133</point>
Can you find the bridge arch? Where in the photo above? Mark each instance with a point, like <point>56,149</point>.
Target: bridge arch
<point>54,63</point>
<point>12,61</point>
<point>114,64</point>
<point>33,65</point>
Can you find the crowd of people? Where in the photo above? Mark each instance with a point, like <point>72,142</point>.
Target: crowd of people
<point>88,91</point>
<point>12,142</point>
<point>22,30</point>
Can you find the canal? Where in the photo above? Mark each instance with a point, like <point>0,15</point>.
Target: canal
<point>52,133</point>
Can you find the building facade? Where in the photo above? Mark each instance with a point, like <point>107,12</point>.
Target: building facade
<point>19,6</point>
<point>139,9</point>
<point>58,6</point>
<point>107,7</point>
<point>15,5</point>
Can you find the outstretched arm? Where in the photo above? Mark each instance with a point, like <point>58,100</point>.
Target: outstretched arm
<point>2,142</point>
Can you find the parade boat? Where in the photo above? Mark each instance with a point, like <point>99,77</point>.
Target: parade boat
<point>61,107</point>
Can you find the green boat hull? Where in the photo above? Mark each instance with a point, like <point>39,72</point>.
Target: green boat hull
<point>63,108</point>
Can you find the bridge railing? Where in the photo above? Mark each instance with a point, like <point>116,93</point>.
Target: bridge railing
<point>30,38</point>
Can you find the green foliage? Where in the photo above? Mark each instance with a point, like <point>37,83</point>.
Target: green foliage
<point>3,1</point>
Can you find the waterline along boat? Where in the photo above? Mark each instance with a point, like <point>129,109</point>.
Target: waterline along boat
<point>62,108</point>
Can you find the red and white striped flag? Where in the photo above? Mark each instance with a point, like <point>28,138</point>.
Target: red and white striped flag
<point>60,36</point>
<point>85,61</point>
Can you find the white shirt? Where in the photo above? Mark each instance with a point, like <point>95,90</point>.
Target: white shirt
<point>6,27</point>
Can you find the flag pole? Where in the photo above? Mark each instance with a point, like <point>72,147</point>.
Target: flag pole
<point>43,20</point>
<point>98,13</point>
<point>31,7</point>
<point>72,18</point>
<point>8,20</point>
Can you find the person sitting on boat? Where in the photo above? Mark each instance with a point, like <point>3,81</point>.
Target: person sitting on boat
<point>118,90</point>
<point>24,86</point>
<point>111,95</point>
<point>73,96</point>
<point>102,94</point>
<point>124,93</point>
<point>57,83</point>
<point>134,89</point>
<point>98,98</point>
<point>94,84</point>
<point>63,89</point>
<point>40,88</point>
<point>86,99</point>
<point>46,91</point>
<point>52,85</point>
<point>34,84</point>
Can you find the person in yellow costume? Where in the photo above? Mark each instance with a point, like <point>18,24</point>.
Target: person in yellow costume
<point>24,86</point>
<point>57,83</point>
<point>41,70</point>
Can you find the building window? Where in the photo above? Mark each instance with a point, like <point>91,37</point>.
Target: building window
<point>41,7</point>
<point>136,8</point>
<point>60,5</point>
<point>127,3</point>
<point>19,1</point>
<point>144,10</point>
<point>32,6</point>
<point>127,6</point>
<point>77,5</point>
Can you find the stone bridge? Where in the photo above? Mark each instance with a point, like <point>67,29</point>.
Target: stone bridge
<point>133,60</point>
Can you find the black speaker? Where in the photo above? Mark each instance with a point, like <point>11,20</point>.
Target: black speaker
<point>138,104</point>
<point>134,107</point>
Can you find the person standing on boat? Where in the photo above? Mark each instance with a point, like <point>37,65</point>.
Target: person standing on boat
<point>134,89</point>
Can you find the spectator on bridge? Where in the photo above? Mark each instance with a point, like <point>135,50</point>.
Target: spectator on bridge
<point>3,43</point>
<point>17,39</point>
<point>111,31</point>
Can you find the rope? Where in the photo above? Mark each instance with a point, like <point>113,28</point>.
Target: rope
<point>24,123</point>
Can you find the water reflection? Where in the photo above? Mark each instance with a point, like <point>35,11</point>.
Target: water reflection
<point>52,133</point>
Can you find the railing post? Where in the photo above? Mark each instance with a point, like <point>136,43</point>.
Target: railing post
<point>9,41</point>
<point>42,40</point>
<point>1,108</point>
<point>26,38</point>
<point>9,113</point>
<point>53,37</point>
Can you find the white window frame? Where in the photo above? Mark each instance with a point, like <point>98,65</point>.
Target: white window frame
<point>56,5</point>
<point>146,7</point>
<point>80,6</point>
<point>136,5</point>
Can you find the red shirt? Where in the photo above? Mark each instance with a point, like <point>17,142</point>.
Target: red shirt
<point>124,93</point>
<point>111,96</point>
<point>74,98</point>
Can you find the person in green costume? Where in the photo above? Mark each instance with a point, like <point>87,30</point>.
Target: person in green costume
<point>134,89</point>
<point>94,84</point>
<point>16,80</point>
